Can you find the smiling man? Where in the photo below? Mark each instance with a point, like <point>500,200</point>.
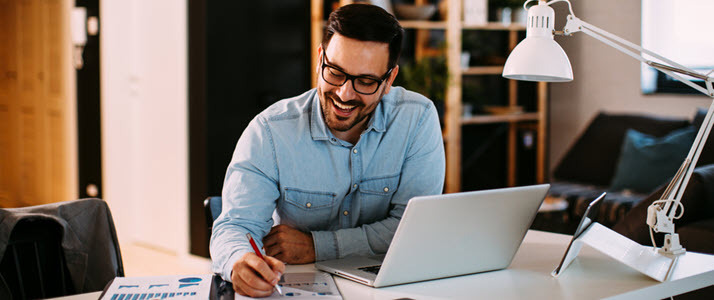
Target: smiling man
<point>335,166</point>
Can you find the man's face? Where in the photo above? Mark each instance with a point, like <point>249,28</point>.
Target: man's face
<point>342,107</point>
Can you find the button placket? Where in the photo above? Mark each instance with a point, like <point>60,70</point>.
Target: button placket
<point>355,171</point>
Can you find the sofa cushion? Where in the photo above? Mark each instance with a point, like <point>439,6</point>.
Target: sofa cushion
<point>707,155</point>
<point>698,236</point>
<point>593,157</point>
<point>646,162</point>
<point>614,206</point>
<point>698,202</point>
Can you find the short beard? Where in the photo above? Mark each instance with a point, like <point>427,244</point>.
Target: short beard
<point>326,105</point>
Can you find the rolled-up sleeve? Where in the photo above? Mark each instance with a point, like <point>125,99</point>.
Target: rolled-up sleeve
<point>250,191</point>
<point>422,174</point>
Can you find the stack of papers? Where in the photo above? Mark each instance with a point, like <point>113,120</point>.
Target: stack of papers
<point>159,287</point>
<point>308,285</point>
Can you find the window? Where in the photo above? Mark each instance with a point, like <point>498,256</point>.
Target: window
<point>680,31</point>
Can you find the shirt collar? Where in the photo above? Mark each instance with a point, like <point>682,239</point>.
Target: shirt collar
<point>318,127</point>
<point>377,122</point>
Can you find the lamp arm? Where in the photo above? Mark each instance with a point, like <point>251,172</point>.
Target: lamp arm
<point>673,69</point>
<point>575,24</point>
<point>679,184</point>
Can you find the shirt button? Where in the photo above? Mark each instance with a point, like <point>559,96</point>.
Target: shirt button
<point>386,189</point>
<point>354,151</point>
<point>345,213</point>
<point>308,205</point>
<point>354,186</point>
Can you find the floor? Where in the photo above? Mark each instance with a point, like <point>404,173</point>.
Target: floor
<point>144,260</point>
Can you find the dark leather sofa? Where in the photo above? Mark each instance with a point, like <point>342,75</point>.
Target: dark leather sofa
<point>695,228</point>
<point>588,167</point>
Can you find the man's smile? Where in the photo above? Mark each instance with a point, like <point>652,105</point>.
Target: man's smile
<point>343,109</point>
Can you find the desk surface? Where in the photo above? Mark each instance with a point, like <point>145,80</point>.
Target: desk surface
<point>591,276</point>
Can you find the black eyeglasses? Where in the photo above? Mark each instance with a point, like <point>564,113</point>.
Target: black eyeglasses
<point>365,84</point>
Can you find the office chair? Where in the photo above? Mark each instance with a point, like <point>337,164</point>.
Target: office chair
<point>57,249</point>
<point>34,264</point>
<point>212,206</point>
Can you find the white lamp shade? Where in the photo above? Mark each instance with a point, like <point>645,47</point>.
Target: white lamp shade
<point>538,59</point>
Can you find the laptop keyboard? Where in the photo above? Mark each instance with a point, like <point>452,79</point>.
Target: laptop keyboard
<point>371,269</point>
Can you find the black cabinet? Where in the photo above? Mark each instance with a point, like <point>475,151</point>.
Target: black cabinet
<point>243,57</point>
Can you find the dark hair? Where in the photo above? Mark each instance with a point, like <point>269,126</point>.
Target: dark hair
<point>366,22</point>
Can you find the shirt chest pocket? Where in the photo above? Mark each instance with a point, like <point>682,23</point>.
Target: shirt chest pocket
<point>310,210</point>
<point>375,197</point>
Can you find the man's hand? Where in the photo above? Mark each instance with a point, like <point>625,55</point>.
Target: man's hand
<point>255,277</point>
<point>289,245</point>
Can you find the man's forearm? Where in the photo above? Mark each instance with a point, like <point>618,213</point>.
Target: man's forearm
<point>368,239</point>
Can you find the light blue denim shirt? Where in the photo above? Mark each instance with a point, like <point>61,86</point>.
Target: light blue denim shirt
<point>350,197</point>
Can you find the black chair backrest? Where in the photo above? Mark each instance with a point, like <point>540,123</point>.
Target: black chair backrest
<point>212,206</point>
<point>33,265</point>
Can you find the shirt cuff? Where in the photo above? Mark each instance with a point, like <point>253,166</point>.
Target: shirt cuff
<point>228,267</point>
<point>325,245</point>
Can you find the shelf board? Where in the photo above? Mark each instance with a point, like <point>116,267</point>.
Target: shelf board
<point>486,119</point>
<point>416,24</point>
<point>483,70</point>
<point>495,26</point>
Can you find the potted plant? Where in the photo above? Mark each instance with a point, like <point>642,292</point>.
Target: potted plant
<point>506,11</point>
<point>427,76</point>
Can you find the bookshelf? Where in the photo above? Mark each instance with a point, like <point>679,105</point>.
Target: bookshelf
<point>454,118</point>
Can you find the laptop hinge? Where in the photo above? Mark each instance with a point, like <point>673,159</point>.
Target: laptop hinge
<point>353,277</point>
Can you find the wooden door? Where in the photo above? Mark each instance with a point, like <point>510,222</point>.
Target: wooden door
<point>35,106</point>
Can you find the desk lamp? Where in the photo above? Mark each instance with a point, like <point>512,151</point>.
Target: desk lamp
<point>539,58</point>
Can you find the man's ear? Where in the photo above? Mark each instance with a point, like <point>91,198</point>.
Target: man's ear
<point>390,79</point>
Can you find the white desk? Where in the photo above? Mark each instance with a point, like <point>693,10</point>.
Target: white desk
<point>591,276</point>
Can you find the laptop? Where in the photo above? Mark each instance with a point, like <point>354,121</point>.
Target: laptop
<point>449,235</point>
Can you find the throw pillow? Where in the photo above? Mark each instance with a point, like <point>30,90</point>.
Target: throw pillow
<point>593,157</point>
<point>646,161</point>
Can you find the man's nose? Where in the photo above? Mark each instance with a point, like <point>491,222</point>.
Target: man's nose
<point>346,91</point>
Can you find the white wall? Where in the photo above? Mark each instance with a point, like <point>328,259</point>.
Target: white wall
<point>604,78</point>
<point>145,120</point>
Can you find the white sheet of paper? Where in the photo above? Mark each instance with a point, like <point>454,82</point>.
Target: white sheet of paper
<point>154,287</point>
<point>622,249</point>
<point>307,285</point>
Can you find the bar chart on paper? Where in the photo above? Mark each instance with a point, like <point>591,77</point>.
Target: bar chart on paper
<point>159,287</point>
<point>307,285</point>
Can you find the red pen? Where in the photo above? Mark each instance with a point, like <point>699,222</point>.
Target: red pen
<point>257,252</point>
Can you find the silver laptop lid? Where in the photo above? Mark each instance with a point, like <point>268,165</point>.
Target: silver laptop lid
<point>462,233</point>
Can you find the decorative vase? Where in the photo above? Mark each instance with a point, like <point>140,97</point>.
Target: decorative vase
<point>475,12</point>
<point>503,15</point>
<point>520,15</point>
